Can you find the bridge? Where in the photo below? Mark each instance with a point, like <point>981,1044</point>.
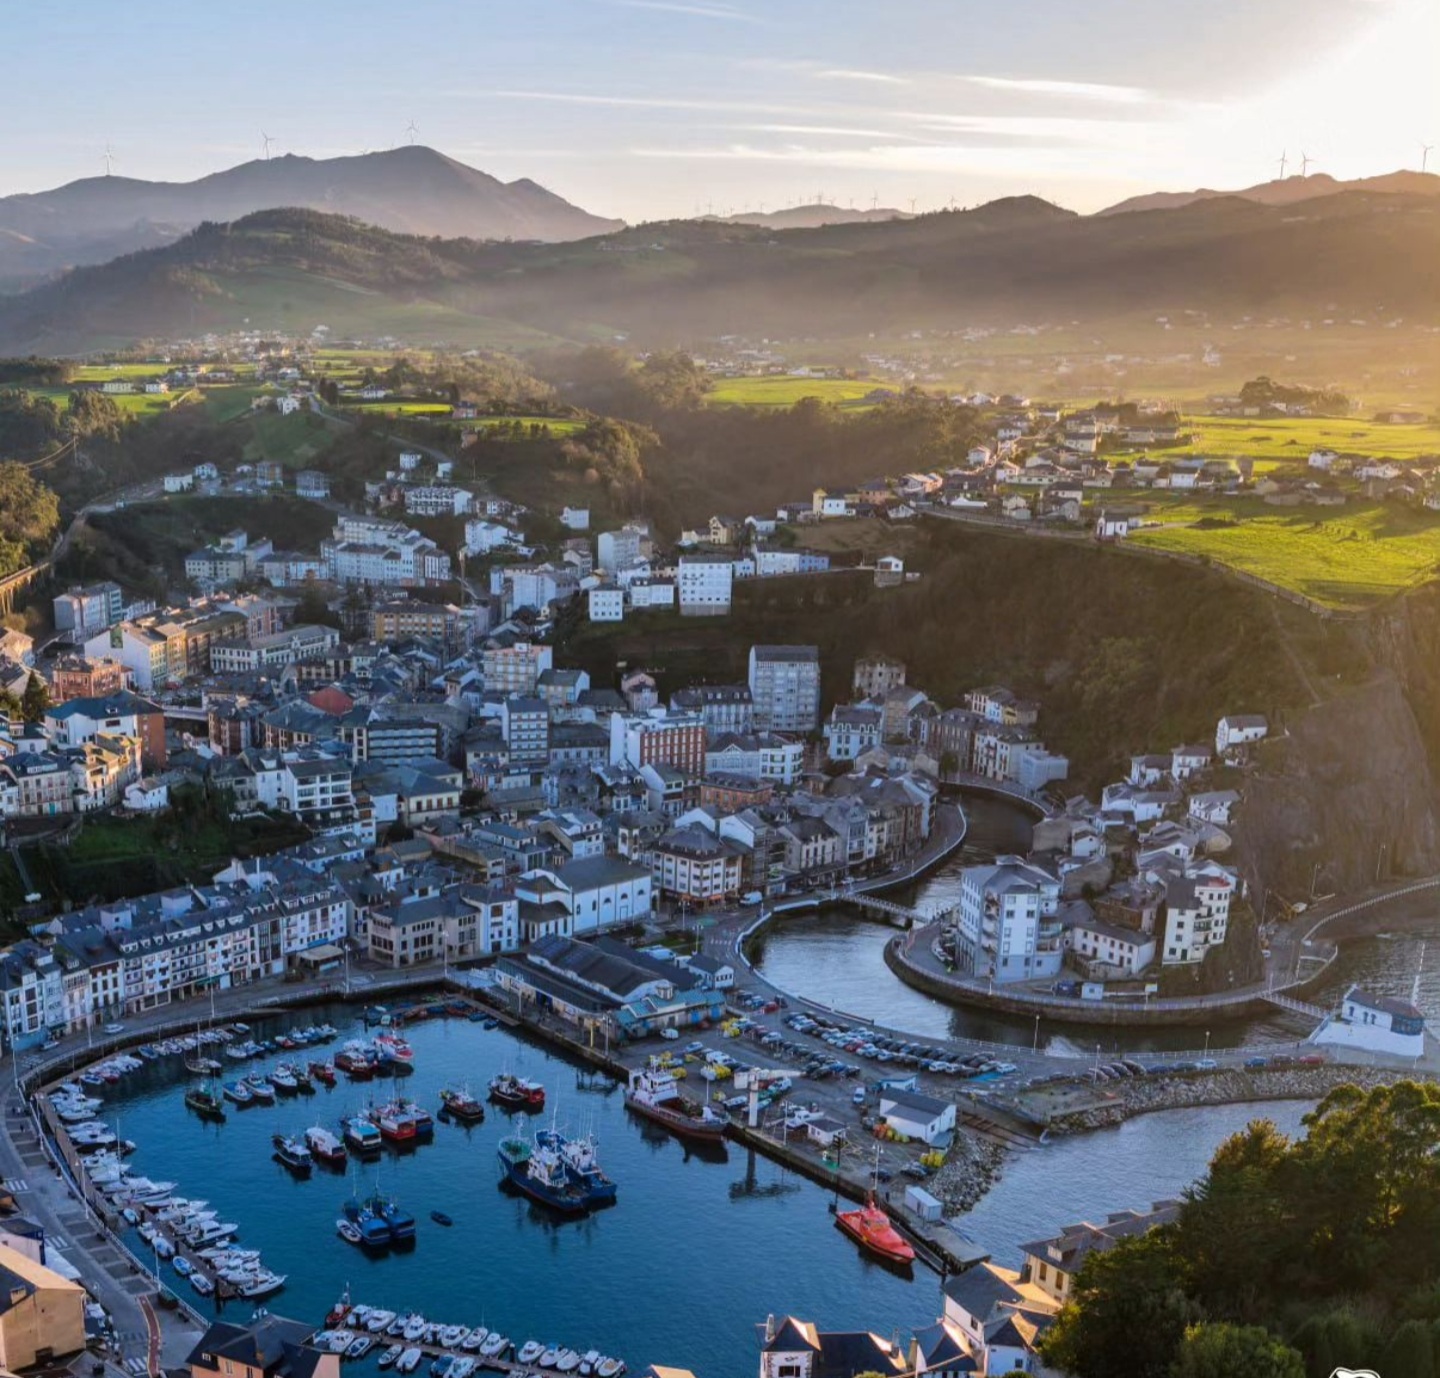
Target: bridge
<point>1289,1002</point>
<point>910,918</point>
<point>18,582</point>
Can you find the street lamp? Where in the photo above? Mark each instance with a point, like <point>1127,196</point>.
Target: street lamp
<point>1035,1045</point>
<point>1207,1042</point>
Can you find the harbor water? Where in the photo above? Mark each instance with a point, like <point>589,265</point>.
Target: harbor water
<point>696,1252</point>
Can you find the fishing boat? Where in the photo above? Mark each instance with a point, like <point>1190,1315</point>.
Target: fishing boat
<point>377,1321</point>
<point>205,1103</point>
<point>202,1285</point>
<point>182,1265</point>
<point>409,1361</point>
<point>495,1345</point>
<point>261,1089</point>
<point>513,1093</point>
<point>462,1106</point>
<point>873,1231</point>
<point>395,1123</point>
<point>373,1231</point>
<point>582,1164</point>
<point>325,1147</point>
<point>474,1339</point>
<point>610,1368</point>
<point>398,1221</point>
<point>302,1079</point>
<point>359,1347</point>
<point>292,1154</point>
<point>440,1218</point>
<point>323,1072</point>
<point>283,1079</point>
<point>389,1356</point>
<point>263,1285</point>
<point>239,1093</point>
<point>540,1173</point>
<point>201,1066</point>
<point>394,1046</point>
<point>414,1326</point>
<point>655,1093</point>
<point>530,1351</point>
<point>362,1136</point>
<point>424,1123</point>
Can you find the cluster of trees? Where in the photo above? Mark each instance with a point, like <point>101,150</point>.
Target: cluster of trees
<point>29,705</point>
<point>1290,1256</point>
<point>1266,392</point>
<point>36,371</point>
<point>29,517</point>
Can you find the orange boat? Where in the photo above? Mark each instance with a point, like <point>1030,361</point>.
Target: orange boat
<point>871,1229</point>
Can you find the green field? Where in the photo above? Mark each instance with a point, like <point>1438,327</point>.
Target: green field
<point>1290,439</point>
<point>1345,557</point>
<point>293,440</point>
<point>558,425</point>
<point>785,392</point>
<point>396,406</point>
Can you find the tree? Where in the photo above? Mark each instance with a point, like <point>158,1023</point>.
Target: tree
<point>29,514</point>
<point>1221,1350</point>
<point>1128,1312</point>
<point>311,609</point>
<point>35,700</point>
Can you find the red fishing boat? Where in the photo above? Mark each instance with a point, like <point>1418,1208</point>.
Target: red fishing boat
<point>514,1094</point>
<point>323,1072</point>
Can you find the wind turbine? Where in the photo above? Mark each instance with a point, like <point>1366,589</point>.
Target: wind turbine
<point>1425,151</point>
<point>874,200</point>
<point>913,200</point>
<point>412,130</point>
<point>1284,159</point>
<point>1305,161</point>
<point>265,142</point>
<point>110,160</point>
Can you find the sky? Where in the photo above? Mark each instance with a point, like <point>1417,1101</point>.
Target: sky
<point>647,109</point>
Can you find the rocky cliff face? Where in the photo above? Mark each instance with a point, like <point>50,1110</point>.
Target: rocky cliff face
<point>1349,786</point>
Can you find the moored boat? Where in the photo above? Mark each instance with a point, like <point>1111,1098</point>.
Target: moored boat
<point>323,1072</point>
<point>205,1102</point>
<point>874,1232</point>
<point>239,1093</point>
<point>462,1106</point>
<point>582,1164</point>
<point>325,1147</point>
<point>514,1093</point>
<point>539,1172</point>
<point>362,1137</point>
<point>655,1093</point>
<point>292,1154</point>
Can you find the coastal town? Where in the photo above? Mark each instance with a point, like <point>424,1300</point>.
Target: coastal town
<point>452,805</point>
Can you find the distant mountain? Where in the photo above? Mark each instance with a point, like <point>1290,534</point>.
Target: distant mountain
<point>412,190</point>
<point>811,217</point>
<point>1010,262</point>
<point>1286,192</point>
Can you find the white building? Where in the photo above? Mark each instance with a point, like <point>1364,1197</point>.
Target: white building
<point>438,500</point>
<point>785,686</point>
<point>1197,915</point>
<point>704,584</point>
<point>483,535</point>
<point>1239,729</point>
<point>616,550</point>
<point>917,1116</point>
<point>1007,926</point>
<point>576,518</point>
<point>607,604</point>
<point>1376,1024</point>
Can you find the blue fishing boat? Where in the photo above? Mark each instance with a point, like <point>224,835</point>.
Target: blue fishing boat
<point>374,1232</point>
<point>362,1136</point>
<point>398,1221</point>
<point>582,1166</point>
<point>539,1172</point>
<point>238,1092</point>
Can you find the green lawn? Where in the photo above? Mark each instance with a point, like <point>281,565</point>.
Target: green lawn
<point>293,440</point>
<point>558,425</point>
<point>396,406</point>
<point>785,392</point>
<point>1343,557</point>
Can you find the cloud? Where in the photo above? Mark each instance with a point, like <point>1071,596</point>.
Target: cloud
<point>852,74</point>
<point>643,102</point>
<point>827,130</point>
<point>702,11</point>
<point>1074,90</point>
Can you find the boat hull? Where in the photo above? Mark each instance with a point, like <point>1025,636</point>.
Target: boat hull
<point>686,1126</point>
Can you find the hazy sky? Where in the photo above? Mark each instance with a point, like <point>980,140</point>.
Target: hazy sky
<point>648,108</point>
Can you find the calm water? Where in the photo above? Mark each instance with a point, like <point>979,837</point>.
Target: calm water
<point>695,1253</point>
<point>835,959</point>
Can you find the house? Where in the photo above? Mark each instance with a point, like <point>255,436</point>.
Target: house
<point>917,1116</point>
<point>827,504</point>
<point>1213,806</point>
<point>1008,927</point>
<point>266,1346</point>
<point>42,1314</point>
<point>791,1348</point>
<point>311,483</point>
<point>1376,1024</point>
<point>1051,1264</point>
<point>712,973</point>
<point>1197,913</point>
<point>575,518</point>
<point>1113,526</point>
<point>1239,729</point>
<point>1000,1316</point>
<point>178,483</point>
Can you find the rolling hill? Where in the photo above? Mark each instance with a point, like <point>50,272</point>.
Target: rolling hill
<point>412,190</point>
<point>810,217</point>
<point>1012,261</point>
<point>1285,191</point>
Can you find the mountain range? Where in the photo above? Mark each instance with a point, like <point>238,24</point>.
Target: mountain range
<point>411,189</point>
<point>1011,262</point>
<point>811,217</point>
